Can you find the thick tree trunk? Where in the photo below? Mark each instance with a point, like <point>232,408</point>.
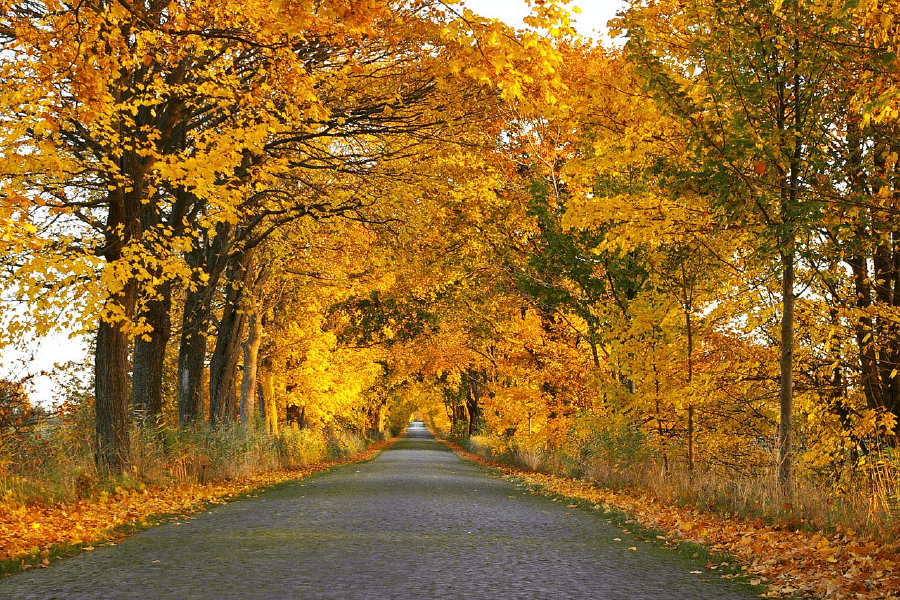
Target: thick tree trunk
<point>149,358</point>
<point>785,451</point>
<point>111,397</point>
<point>111,379</point>
<point>251,358</point>
<point>111,393</point>
<point>192,356</point>
<point>223,403</point>
<point>211,258</point>
<point>223,365</point>
<point>232,401</point>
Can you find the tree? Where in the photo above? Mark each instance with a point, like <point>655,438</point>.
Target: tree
<point>755,123</point>
<point>135,123</point>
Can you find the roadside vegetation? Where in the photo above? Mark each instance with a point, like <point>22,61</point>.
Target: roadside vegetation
<point>868,508</point>
<point>666,266</point>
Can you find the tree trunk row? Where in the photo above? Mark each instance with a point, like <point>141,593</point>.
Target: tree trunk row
<point>239,327</point>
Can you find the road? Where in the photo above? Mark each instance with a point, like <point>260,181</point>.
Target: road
<point>416,522</point>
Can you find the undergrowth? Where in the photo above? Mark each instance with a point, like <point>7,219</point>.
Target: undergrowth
<point>867,504</point>
<point>54,461</point>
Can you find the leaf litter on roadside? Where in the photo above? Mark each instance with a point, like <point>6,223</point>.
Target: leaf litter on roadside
<point>836,566</point>
<point>29,531</point>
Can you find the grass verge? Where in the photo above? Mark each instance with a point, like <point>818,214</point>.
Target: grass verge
<point>35,535</point>
<point>787,562</point>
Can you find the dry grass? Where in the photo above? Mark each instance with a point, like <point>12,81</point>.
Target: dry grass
<point>54,462</point>
<point>868,503</point>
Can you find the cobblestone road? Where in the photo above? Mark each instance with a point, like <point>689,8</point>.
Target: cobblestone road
<point>417,522</point>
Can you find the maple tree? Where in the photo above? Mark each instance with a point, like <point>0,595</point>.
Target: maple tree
<point>185,147</point>
<point>754,121</point>
<point>678,256</point>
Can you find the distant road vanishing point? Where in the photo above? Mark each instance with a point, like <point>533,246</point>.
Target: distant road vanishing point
<point>416,522</point>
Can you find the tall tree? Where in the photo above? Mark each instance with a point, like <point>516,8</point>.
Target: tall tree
<point>748,80</point>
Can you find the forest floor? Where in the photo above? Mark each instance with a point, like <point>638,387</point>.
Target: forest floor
<point>31,535</point>
<point>791,563</point>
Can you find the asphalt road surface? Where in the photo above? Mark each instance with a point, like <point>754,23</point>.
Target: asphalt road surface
<point>416,522</point>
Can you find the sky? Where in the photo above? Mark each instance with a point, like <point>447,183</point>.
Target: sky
<point>591,22</point>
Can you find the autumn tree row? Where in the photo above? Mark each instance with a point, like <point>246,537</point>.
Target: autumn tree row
<point>700,246</point>
<point>209,171</point>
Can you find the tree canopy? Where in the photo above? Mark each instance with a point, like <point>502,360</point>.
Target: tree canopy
<point>347,213</point>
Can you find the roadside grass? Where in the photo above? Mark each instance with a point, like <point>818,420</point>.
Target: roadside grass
<point>868,505</point>
<point>790,558</point>
<point>58,504</point>
<point>54,463</point>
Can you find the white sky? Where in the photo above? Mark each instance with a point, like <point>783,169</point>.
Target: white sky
<point>590,23</point>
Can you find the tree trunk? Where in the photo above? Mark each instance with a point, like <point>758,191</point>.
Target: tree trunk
<point>864,330</point>
<point>149,358</point>
<point>232,401</point>
<point>886,262</point>
<point>210,257</point>
<point>192,356</point>
<point>785,452</point>
<point>690,428</point>
<point>223,365</point>
<point>248,382</point>
<point>592,331</point>
<point>877,338</point>
<point>267,381</point>
<point>689,326</point>
<point>261,402</point>
<point>790,190</point>
<point>473,395</point>
<point>111,395</point>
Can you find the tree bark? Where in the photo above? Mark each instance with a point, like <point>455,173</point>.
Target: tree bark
<point>195,326</point>
<point>267,381</point>
<point>149,358</point>
<point>785,451</point>
<point>223,365</point>
<point>473,396</point>
<point>123,227</point>
<point>689,327</point>
<point>251,359</point>
<point>191,357</point>
<point>111,394</point>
